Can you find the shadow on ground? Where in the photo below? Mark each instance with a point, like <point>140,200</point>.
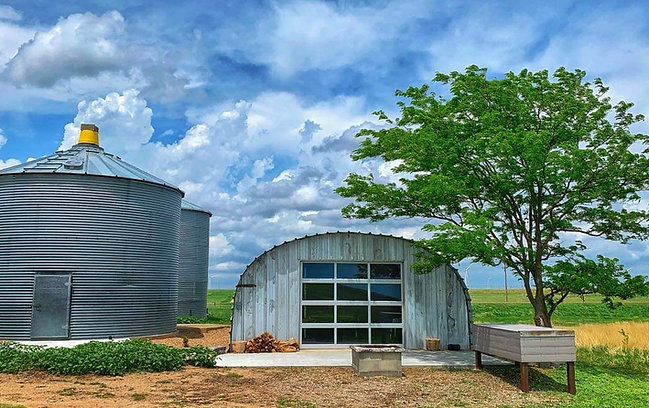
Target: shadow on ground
<point>539,381</point>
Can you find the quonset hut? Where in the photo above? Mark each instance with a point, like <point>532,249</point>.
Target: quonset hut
<point>89,247</point>
<point>194,260</point>
<point>342,288</point>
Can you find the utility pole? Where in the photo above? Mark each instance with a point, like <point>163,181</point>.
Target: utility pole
<point>506,290</point>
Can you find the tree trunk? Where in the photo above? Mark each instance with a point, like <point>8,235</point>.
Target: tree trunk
<point>541,315</point>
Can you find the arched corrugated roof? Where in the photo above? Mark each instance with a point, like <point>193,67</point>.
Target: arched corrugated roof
<point>323,234</point>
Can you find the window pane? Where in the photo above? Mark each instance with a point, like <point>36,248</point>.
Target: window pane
<point>352,291</point>
<point>318,291</point>
<point>317,314</point>
<point>318,271</point>
<point>390,292</point>
<point>352,336</point>
<point>352,271</point>
<point>352,314</point>
<point>317,336</point>
<point>386,336</point>
<point>385,271</point>
<point>386,314</point>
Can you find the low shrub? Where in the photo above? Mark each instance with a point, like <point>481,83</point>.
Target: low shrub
<point>103,358</point>
<point>200,356</point>
<point>209,319</point>
<point>16,357</point>
<point>110,358</point>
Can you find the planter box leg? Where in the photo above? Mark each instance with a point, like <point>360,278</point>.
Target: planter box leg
<point>478,360</point>
<point>570,367</point>
<point>525,377</point>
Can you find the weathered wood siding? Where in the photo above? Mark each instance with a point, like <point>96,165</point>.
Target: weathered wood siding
<point>525,343</point>
<point>267,298</point>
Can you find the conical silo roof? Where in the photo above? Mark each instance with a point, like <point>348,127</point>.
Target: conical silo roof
<point>186,205</point>
<point>86,159</point>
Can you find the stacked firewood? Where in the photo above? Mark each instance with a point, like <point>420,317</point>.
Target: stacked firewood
<point>266,343</point>
<point>290,345</point>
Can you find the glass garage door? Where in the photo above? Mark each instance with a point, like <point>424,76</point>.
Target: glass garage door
<point>351,303</point>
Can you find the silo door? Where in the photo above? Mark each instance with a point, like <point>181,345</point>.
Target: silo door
<point>51,306</point>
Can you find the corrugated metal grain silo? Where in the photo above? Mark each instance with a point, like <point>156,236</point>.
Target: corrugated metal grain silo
<point>89,247</point>
<point>194,260</point>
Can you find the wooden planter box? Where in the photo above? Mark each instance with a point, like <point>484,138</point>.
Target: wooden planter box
<point>374,360</point>
<point>526,344</point>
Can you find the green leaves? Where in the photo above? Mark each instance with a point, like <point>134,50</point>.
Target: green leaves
<point>584,276</point>
<point>103,358</point>
<point>504,168</point>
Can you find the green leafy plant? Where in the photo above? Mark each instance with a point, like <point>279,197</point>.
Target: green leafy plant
<point>209,319</point>
<point>102,358</point>
<point>200,356</point>
<point>16,357</point>
<point>110,358</point>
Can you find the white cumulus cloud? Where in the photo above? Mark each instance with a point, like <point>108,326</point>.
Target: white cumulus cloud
<point>124,121</point>
<point>79,45</point>
<point>12,36</point>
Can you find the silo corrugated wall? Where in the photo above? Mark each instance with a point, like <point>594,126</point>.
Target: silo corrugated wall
<point>117,238</point>
<point>194,259</point>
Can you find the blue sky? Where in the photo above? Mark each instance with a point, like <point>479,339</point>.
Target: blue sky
<point>251,107</point>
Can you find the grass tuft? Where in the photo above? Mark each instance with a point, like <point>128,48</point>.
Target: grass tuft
<point>233,375</point>
<point>294,403</point>
<point>139,396</point>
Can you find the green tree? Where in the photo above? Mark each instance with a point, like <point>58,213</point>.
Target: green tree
<point>514,171</point>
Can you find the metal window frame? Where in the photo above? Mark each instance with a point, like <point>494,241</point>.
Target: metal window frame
<point>335,302</point>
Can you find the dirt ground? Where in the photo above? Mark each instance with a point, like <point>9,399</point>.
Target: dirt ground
<point>269,387</point>
<point>198,335</point>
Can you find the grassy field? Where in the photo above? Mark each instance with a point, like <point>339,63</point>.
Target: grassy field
<point>219,305</point>
<point>491,306</point>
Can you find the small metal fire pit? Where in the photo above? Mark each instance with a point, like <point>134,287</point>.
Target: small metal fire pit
<point>373,359</point>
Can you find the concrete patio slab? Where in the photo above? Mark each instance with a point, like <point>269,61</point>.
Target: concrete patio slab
<point>343,358</point>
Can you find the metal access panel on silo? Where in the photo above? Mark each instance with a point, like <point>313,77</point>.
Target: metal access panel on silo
<point>51,306</point>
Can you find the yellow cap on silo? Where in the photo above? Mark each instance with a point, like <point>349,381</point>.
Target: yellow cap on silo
<point>89,134</point>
